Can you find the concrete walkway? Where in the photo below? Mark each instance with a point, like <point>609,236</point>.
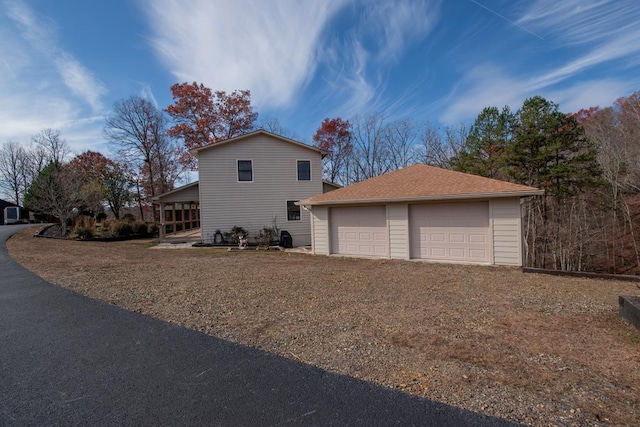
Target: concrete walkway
<point>69,360</point>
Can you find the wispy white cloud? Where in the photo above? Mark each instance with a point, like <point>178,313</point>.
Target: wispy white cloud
<point>43,85</point>
<point>360,61</point>
<point>487,85</point>
<point>80,81</point>
<point>484,85</point>
<point>40,34</point>
<point>592,36</point>
<point>591,93</point>
<point>501,16</point>
<point>275,49</point>
<point>396,24</point>
<point>579,22</point>
<point>348,82</point>
<point>146,92</point>
<point>268,47</point>
<point>625,48</point>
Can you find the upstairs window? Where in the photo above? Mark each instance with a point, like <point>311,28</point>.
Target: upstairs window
<point>245,170</point>
<point>293,211</point>
<point>304,170</point>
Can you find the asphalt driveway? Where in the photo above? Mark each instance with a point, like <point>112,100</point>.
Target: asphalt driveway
<point>69,360</point>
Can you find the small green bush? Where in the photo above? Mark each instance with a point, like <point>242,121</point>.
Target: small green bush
<point>121,228</point>
<point>233,236</point>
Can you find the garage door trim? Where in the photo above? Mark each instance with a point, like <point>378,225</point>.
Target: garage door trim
<point>451,232</point>
<point>359,231</point>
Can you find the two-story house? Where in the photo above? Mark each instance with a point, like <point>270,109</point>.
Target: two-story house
<point>251,181</point>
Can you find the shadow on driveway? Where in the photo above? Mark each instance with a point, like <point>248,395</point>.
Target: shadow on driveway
<point>66,359</point>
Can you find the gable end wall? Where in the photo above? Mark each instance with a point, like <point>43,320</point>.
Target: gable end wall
<point>225,202</point>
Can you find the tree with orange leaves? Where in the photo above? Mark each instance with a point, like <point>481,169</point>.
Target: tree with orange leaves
<point>203,117</point>
<point>334,137</point>
<point>103,180</point>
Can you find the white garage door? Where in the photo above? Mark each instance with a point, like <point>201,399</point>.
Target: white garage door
<point>450,232</point>
<point>359,231</point>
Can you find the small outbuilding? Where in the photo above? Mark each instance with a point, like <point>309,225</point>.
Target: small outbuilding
<point>422,212</point>
<point>4,204</point>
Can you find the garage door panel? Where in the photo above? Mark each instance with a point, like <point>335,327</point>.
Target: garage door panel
<point>436,252</point>
<point>433,237</point>
<point>380,237</point>
<point>450,232</point>
<point>456,238</point>
<point>365,236</point>
<point>359,231</point>
<point>457,253</point>
<point>478,254</point>
<point>477,238</point>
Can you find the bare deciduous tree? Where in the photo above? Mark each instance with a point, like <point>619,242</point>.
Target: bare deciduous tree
<point>138,130</point>
<point>439,148</point>
<point>402,140</point>
<point>371,154</point>
<point>53,146</point>
<point>13,170</point>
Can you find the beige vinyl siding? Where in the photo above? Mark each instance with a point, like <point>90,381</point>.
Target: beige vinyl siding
<point>320,224</point>
<point>506,219</point>
<point>189,194</point>
<point>326,187</point>
<point>398,220</point>
<point>225,202</point>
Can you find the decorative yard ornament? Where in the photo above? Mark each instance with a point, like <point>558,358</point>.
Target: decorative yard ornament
<point>242,242</point>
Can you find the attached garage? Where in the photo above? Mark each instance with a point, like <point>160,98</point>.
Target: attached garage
<point>360,231</point>
<point>422,213</point>
<point>457,232</point>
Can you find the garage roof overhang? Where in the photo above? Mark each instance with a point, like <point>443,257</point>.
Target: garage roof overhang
<point>430,198</point>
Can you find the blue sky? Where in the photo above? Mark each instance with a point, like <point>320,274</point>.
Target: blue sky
<point>64,63</point>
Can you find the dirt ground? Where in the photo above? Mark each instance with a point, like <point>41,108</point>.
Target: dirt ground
<point>534,349</point>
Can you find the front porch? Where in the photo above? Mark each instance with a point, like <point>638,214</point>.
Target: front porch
<point>188,236</point>
<point>180,214</point>
<point>179,218</point>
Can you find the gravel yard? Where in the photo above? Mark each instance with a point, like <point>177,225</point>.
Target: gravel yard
<point>535,349</point>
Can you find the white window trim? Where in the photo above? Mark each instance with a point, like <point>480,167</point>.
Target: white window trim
<point>253,176</point>
<point>310,170</point>
<point>287,209</point>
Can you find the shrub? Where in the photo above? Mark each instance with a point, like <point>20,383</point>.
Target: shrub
<point>153,228</point>
<point>139,227</point>
<point>265,236</point>
<point>121,228</point>
<point>235,233</point>
<point>82,233</point>
<point>128,217</point>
